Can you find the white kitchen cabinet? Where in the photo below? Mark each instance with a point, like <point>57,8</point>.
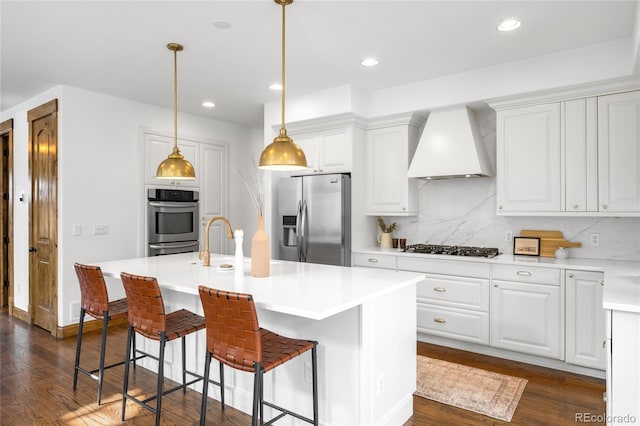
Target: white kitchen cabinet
<point>157,148</point>
<point>526,310</point>
<point>448,305</point>
<point>528,159</point>
<point>389,149</point>
<point>327,150</point>
<point>573,157</point>
<point>381,261</point>
<point>619,152</point>
<point>623,368</point>
<point>585,319</point>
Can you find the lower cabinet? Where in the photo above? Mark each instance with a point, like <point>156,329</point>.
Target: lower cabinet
<point>526,310</point>
<point>453,306</point>
<point>585,319</point>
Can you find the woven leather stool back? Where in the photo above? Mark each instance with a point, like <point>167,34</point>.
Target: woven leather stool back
<point>233,332</point>
<point>93,290</point>
<point>146,307</point>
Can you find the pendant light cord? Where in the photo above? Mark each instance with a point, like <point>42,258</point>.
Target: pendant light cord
<point>175,101</point>
<point>283,47</point>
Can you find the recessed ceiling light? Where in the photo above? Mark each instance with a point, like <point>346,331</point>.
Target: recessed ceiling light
<point>222,25</point>
<point>275,86</point>
<point>208,104</point>
<point>369,62</point>
<point>509,24</point>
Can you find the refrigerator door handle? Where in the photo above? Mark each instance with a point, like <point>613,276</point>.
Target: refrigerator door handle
<point>305,237</point>
<point>299,231</point>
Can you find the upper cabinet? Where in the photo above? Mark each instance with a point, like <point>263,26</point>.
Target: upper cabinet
<point>574,157</point>
<point>389,147</point>
<point>157,148</point>
<point>327,150</point>
<point>619,152</point>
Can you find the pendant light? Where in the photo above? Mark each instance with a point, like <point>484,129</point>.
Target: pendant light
<point>283,154</point>
<point>175,166</point>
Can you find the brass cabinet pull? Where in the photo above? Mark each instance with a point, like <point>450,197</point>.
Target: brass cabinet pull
<point>373,260</point>
<point>525,273</point>
<point>604,343</point>
<point>575,206</point>
<point>602,283</point>
<point>570,275</point>
<point>440,289</point>
<point>439,320</point>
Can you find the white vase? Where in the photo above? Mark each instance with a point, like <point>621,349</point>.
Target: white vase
<point>384,239</point>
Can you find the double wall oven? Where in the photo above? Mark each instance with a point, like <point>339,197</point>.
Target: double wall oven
<point>172,221</point>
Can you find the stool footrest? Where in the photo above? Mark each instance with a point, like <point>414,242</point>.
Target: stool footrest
<point>144,402</point>
<point>284,412</point>
<point>91,373</point>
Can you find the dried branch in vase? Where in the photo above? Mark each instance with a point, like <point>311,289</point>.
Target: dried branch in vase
<point>257,185</point>
<point>386,229</point>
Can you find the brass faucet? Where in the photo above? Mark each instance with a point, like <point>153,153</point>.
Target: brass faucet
<point>206,256</point>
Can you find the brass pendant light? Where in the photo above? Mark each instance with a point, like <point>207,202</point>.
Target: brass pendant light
<point>175,166</point>
<point>283,154</point>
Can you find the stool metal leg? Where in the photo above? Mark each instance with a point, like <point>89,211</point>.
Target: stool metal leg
<point>163,342</point>
<point>184,365</point>
<point>222,385</point>
<point>127,360</point>
<point>78,346</point>
<point>134,351</point>
<point>256,393</point>
<point>105,324</point>
<point>205,389</point>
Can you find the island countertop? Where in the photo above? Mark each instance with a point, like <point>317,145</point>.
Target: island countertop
<point>303,289</point>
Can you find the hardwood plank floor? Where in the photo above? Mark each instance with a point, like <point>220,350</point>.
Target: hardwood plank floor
<point>36,376</point>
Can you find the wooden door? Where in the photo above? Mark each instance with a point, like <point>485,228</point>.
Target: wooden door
<point>6,215</point>
<point>43,208</point>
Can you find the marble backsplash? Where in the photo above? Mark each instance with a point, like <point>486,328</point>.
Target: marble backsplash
<point>463,212</point>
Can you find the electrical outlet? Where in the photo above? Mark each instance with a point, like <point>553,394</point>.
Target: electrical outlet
<point>77,230</point>
<point>100,229</point>
<point>595,239</point>
<point>508,236</point>
<point>308,372</point>
<point>74,309</point>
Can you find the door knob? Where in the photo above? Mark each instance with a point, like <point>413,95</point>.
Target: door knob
<point>32,249</point>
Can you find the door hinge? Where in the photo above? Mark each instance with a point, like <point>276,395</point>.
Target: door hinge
<point>5,196</point>
<point>6,283</point>
<point>5,152</point>
<point>5,240</point>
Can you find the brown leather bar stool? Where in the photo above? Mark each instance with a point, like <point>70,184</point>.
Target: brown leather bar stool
<point>147,317</point>
<point>234,338</point>
<point>95,303</point>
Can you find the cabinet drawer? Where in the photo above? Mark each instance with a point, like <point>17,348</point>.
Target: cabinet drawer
<point>444,267</point>
<point>465,293</point>
<point>527,274</point>
<point>382,261</point>
<point>454,323</point>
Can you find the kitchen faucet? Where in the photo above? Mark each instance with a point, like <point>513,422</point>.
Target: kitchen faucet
<point>206,256</point>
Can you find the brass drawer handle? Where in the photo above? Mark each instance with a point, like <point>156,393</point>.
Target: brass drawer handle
<point>372,260</point>
<point>524,273</point>
<point>440,289</point>
<point>439,320</point>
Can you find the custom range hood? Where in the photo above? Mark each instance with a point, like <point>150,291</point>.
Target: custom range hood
<point>450,147</point>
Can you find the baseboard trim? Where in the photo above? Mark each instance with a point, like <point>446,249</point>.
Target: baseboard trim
<point>89,326</point>
<point>20,314</point>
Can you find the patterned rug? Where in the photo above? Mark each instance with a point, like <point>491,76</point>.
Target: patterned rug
<point>485,392</point>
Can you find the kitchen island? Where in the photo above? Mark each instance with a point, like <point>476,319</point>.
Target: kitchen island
<point>364,320</point>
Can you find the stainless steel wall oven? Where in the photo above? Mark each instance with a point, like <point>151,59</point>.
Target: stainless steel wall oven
<point>172,221</point>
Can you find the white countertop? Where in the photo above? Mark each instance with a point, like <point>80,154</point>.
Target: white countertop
<point>303,289</point>
<point>622,278</point>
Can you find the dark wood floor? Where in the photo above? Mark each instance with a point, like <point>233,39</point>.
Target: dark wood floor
<point>36,375</point>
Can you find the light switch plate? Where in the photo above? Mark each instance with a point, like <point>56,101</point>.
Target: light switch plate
<point>77,230</point>
<point>100,229</point>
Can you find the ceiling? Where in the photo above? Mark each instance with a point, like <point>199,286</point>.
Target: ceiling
<point>119,47</point>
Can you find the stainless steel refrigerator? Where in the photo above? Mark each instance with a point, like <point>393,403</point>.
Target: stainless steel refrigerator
<point>314,217</point>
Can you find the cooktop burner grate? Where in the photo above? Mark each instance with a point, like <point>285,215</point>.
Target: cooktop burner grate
<point>452,250</point>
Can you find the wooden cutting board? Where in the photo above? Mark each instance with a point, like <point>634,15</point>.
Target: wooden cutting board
<point>549,241</point>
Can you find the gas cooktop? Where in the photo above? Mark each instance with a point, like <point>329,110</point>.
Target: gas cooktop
<point>452,250</point>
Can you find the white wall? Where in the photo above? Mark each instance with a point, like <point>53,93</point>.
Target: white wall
<point>100,181</point>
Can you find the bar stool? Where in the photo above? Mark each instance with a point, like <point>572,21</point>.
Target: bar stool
<point>234,338</point>
<point>95,303</point>
<point>147,317</point>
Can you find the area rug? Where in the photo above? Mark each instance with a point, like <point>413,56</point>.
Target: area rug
<point>485,392</point>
